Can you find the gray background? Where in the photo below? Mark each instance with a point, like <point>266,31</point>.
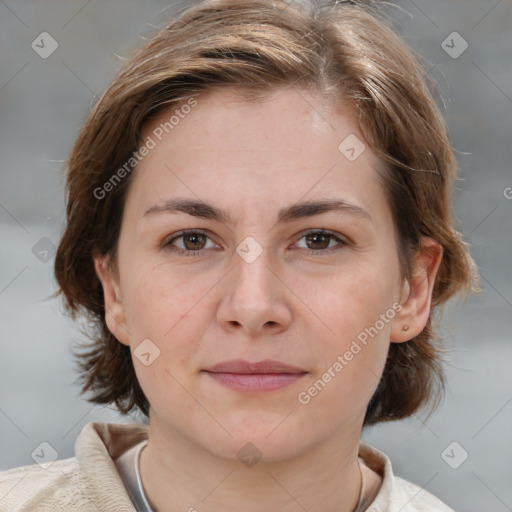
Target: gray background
<point>43,103</point>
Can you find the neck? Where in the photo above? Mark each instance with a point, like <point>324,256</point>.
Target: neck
<point>179,475</point>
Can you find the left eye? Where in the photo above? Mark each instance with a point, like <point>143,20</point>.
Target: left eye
<point>322,240</point>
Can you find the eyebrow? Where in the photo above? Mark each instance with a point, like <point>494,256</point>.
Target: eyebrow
<point>201,209</point>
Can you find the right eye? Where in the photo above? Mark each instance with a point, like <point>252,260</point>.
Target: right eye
<point>193,243</point>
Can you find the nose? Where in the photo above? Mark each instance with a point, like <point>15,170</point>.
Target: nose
<point>255,299</point>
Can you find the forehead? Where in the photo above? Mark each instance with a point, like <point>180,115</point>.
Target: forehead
<point>286,146</point>
<point>280,121</point>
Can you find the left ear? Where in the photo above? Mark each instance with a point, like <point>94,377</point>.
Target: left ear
<point>417,294</point>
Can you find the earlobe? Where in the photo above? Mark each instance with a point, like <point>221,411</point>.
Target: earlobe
<point>115,316</point>
<point>417,294</point>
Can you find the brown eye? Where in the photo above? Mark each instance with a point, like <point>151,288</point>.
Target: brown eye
<point>191,243</point>
<point>318,241</point>
<point>194,241</point>
<point>321,242</point>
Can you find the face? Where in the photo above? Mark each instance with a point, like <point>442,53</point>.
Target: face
<point>254,277</point>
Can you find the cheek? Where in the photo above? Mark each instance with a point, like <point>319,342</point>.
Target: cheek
<point>167,310</point>
<point>158,298</point>
<point>358,308</point>
<point>352,362</point>
<point>349,302</point>
<point>170,309</point>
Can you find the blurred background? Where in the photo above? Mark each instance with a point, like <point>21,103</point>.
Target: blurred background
<point>58,57</point>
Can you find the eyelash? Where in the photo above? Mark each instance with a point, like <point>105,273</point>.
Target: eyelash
<point>183,252</point>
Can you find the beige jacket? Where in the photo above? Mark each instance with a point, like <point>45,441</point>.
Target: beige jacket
<point>89,482</point>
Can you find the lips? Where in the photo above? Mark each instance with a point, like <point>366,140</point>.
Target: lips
<point>258,376</point>
<point>266,366</point>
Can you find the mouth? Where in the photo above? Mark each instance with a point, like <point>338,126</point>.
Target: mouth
<point>259,376</point>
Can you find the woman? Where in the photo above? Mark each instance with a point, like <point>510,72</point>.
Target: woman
<point>260,229</point>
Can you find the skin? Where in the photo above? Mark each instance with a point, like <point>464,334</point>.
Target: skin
<point>289,305</point>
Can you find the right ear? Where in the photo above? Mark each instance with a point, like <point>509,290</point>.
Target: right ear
<point>115,316</point>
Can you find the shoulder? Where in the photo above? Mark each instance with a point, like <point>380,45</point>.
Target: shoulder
<point>409,497</point>
<point>396,494</point>
<point>35,488</point>
<point>87,482</point>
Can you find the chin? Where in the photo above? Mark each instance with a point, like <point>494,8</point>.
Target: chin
<point>270,436</point>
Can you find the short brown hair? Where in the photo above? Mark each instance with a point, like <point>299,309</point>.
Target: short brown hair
<point>344,52</point>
